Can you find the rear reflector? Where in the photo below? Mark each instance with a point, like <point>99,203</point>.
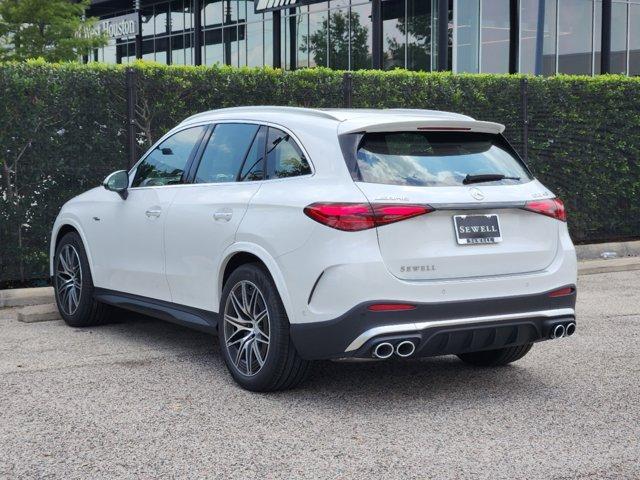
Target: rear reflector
<point>562,292</point>
<point>390,307</point>
<point>551,207</point>
<point>353,217</point>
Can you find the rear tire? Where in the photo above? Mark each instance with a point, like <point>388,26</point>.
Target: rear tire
<point>73,285</point>
<point>253,333</point>
<point>496,358</point>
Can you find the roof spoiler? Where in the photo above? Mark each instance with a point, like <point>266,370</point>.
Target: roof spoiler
<point>420,125</point>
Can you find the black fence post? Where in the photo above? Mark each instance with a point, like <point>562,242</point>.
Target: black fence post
<point>347,89</point>
<point>524,94</point>
<point>131,116</point>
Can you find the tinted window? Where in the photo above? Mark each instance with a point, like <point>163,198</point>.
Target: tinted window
<point>436,158</point>
<point>223,156</point>
<point>166,163</point>
<point>253,168</point>
<point>284,157</point>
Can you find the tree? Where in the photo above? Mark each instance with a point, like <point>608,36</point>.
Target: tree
<point>55,30</point>
<point>337,25</point>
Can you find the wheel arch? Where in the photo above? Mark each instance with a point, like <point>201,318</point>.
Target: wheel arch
<point>61,228</point>
<point>245,252</point>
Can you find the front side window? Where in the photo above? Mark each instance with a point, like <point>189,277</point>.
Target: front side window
<point>284,157</point>
<point>227,148</point>
<point>165,164</point>
<point>434,159</point>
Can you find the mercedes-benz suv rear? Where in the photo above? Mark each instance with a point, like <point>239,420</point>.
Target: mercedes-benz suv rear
<point>473,253</point>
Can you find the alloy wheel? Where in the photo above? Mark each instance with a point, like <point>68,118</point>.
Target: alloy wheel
<point>68,279</point>
<point>246,327</point>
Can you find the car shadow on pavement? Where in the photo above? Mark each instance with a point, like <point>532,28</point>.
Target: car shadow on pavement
<point>347,380</point>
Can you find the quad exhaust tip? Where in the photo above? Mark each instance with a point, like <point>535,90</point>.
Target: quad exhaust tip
<point>405,349</point>
<point>383,350</point>
<point>558,331</point>
<point>570,330</point>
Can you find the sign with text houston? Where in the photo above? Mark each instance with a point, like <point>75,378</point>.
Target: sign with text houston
<point>119,27</point>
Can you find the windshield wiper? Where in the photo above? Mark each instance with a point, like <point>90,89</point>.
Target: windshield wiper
<point>486,177</point>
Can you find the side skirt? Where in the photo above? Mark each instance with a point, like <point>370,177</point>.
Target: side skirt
<point>195,318</point>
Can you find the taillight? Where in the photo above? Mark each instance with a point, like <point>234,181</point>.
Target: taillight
<point>352,217</point>
<point>551,207</point>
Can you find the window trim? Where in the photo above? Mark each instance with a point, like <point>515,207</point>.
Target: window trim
<point>187,168</point>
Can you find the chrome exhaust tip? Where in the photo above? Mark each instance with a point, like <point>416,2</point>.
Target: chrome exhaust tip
<point>383,350</point>
<point>405,349</point>
<point>558,331</point>
<point>570,330</point>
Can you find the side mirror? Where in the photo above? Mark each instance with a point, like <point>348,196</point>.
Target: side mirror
<point>118,182</point>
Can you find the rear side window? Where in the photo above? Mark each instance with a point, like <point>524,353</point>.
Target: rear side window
<point>223,156</point>
<point>284,157</point>
<point>433,159</point>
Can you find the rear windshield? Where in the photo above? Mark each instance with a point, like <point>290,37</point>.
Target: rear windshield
<point>437,158</point>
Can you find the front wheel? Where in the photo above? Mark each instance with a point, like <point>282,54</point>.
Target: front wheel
<point>253,333</point>
<point>73,285</point>
<point>496,358</point>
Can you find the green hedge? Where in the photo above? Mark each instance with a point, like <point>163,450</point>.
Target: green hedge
<point>64,127</point>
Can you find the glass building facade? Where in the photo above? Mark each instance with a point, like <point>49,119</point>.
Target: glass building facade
<point>482,36</point>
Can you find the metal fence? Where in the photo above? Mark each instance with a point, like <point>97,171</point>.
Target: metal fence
<point>578,136</point>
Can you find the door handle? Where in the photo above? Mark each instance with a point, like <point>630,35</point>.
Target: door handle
<point>222,215</point>
<point>153,212</point>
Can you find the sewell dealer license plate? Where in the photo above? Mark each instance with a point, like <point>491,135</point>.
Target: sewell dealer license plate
<point>477,229</point>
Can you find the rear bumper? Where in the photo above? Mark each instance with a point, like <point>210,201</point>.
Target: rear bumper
<point>437,328</point>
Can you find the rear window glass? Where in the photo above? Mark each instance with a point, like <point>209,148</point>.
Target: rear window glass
<point>436,158</point>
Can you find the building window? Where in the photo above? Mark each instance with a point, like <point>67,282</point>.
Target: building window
<point>212,13</point>
<point>575,37</point>
<point>316,43</point>
<point>528,36</point>
<point>634,39</point>
<point>339,38</point>
<point>360,36</point>
<point>418,29</point>
<point>494,35</point>
<point>468,35</point>
<point>213,52</point>
<point>393,34</point>
<point>619,37</point>
<point>255,44</point>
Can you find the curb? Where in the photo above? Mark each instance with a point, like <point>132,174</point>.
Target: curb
<point>591,267</point>
<point>38,313</point>
<point>619,249</point>
<point>23,297</point>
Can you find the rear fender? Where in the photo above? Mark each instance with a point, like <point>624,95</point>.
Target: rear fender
<point>269,262</point>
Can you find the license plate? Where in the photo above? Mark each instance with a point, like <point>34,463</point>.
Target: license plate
<point>477,229</point>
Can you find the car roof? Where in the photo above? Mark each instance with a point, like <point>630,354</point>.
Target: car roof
<point>351,119</point>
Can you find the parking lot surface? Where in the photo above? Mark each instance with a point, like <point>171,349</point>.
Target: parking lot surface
<point>146,399</point>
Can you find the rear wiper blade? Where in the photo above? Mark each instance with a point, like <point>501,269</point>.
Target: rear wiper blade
<point>486,177</point>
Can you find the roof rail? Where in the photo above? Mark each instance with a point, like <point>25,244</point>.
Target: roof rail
<point>265,108</point>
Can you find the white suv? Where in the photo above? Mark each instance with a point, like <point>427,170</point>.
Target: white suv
<point>300,234</point>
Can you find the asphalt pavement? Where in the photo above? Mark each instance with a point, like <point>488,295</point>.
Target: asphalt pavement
<point>146,399</point>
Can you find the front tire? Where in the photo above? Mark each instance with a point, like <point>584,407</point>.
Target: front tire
<point>73,285</point>
<point>496,358</point>
<point>253,333</point>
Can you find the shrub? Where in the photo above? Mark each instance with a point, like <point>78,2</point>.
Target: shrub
<point>63,128</point>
